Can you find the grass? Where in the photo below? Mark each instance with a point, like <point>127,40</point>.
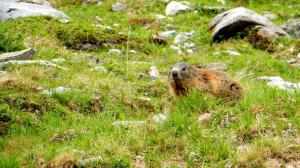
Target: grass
<point>264,125</point>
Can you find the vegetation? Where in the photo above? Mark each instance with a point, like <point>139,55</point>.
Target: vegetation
<point>38,129</point>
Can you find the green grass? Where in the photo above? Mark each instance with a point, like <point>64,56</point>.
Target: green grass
<point>266,122</point>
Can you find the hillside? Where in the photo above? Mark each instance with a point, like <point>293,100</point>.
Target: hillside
<point>103,99</point>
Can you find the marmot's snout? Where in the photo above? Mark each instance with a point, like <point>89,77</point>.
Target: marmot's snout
<point>179,71</point>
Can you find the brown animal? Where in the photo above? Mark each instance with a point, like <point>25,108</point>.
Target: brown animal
<point>184,78</point>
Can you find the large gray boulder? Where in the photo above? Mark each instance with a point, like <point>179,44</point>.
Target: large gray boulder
<point>292,27</point>
<point>11,9</point>
<point>18,55</point>
<point>229,23</point>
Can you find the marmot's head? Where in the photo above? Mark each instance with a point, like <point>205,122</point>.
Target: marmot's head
<point>180,71</point>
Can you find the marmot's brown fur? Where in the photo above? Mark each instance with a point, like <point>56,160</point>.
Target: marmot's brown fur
<point>184,78</point>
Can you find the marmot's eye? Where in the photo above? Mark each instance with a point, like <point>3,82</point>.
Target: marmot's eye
<point>184,69</point>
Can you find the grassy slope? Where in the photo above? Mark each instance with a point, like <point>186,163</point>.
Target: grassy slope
<point>266,120</point>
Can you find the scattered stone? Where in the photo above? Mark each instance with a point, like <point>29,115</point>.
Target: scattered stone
<point>173,8</point>
<point>189,45</point>
<point>64,21</point>
<point>89,161</point>
<point>59,89</point>
<point>145,99</point>
<point>160,17</point>
<point>18,55</point>
<point>11,9</point>
<point>158,40</point>
<point>294,62</point>
<point>278,82</point>
<point>104,27</point>
<point>153,72</point>
<point>177,48</point>
<point>129,123</point>
<point>272,163</point>
<point>217,66</point>
<point>232,52</point>
<point>229,23</point>
<point>132,51</point>
<point>58,60</point>
<point>181,38</point>
<point>292,27</point>
<point>167,34</point>
<point>3,73</point>
<point>160,118</point>
<point>115,51</point>
<point>204,119</point>
<point>191,33</point>
<point>99,19</point>
<point>270,16</point>
<point>118,6</point>
<point>100,68</point>
<point>28,62</point>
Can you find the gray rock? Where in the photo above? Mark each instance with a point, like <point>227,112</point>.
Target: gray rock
<point>3,73</point>
<point>115,51</point>
<point>160,118</point>
<point>153,72</point>
<point>229,23</point>
<point>217,66</point>
<point>292,27</point>
<point>11,9</point>
<point>64,21</point>
<point>174,7</point>
<point>167,34</point>
<point>18,55</point>
<point>181,38</point>
<point>118,6</point>
<point>204,119</point>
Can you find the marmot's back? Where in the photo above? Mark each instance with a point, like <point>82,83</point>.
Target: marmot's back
<point>219,84</point>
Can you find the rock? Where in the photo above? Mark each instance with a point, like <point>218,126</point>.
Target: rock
<point>229,23</point>
<point>158,40</point>
<point>18,55</point>
<point>115,51</point>
<point>278,82</point>
<point>104,27</point>
<point>64,21</point>
<point>132,51</point>
<point>153,72</point>
<point>3,73</point>
<point>58,60</point>
<point>270,78</point>
<point>100,69</point>
<point>272,163</point>
<point>292,27</point>
<point>160,118</point>
<point>11,9</point>
<point>217,66</point>
<point>181,38</point>
<point>189,45</point>
<point>167,34</point>
<point>38,62</point>
<point>59,89</point>
<point>232,52</point>
<point>204,119</point>
<point>129,123</point>
<point>88,161</point>
<point>177,48</point>
<point>118,6</point>
<point>99,19</point>
<point>174,7</point>
<point>270,16</point>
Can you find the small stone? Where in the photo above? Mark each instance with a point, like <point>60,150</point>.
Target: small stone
<point>180,38</point>
<point>153,72</point>
<point>88,161</point>
<point>132,51</point>
<point>160,118</point>
<point>64,21</point>
<point>58,60</point>
<point>190,51</point>
<point>99,19</point>
<point>189,45</point>
<point>167,34</point>
<point>270,78</point>
<point>174,7</point>
<point>119,6</point>
<point>99,68</point>
<point>3,73</point>
<point>295,64</point>
<point>204,119</point>
<point>104,27</point>
<point>115,51</point>
<point>217,66</point>
<point>292,27</point>
<point>298,55</point>
<point>233,53</point>
<point>18,55</point>
<point>177,49</point>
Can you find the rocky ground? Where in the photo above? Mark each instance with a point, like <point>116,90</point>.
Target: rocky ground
<point>86,83</point>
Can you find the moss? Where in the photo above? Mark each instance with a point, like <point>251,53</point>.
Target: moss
<point>10,42</point>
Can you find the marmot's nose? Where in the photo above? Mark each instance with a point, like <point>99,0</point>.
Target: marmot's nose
<point>174,74</point>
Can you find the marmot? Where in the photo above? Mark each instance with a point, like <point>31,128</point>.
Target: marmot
<point>184,78</point>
